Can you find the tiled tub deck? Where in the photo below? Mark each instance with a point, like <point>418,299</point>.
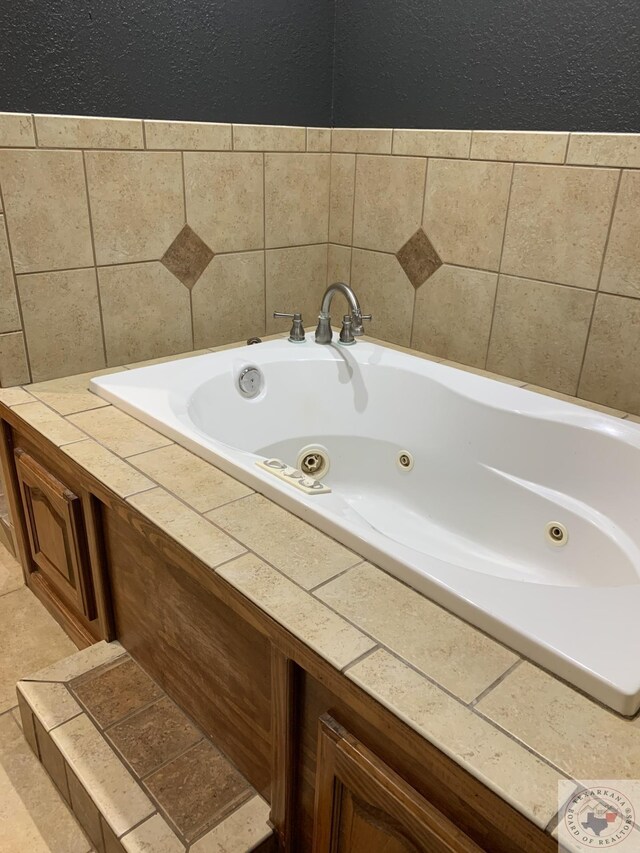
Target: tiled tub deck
<point>507,722</point>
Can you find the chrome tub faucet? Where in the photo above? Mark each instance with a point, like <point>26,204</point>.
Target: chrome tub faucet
<point>351,323</point>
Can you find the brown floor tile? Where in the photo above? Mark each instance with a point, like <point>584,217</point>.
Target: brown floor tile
<point>154,735</point>
<point>111,843</point>
<point>197,789</point>
<point>52,759</point>
<point>115,691</point>
<point>85,811</point>
<point>27,723</point>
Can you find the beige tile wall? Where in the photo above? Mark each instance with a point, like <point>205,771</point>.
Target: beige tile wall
<point>539,243</point>
<point>533,267</point>
<point>90,207</point>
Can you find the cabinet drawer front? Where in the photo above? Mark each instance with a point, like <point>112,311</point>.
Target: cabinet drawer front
<point>55,528</point>
<point>362,805</point>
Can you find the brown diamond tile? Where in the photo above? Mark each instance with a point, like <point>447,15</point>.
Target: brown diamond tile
<point>418,258</point>
<point>187,257</point>
<point>115,691</point>
<point>198,789</point>
<point>153,735</point>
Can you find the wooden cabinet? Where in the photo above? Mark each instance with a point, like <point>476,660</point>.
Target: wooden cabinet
<point>361,805</point>
<point>55,530</point>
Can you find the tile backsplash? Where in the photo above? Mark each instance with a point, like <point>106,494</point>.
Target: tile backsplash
<point>123,240</point>
<point>515,252</point>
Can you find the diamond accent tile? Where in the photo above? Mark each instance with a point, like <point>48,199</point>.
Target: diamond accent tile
<point>418,258</point>
<point>187,257</point>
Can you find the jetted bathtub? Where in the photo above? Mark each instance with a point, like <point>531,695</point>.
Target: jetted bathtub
<point>518,512</point>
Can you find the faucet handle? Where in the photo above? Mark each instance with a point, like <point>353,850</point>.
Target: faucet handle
<point>296,335</point>
<point>358,328</point>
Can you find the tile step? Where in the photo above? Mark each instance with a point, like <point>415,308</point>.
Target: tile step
<point>136,771</point>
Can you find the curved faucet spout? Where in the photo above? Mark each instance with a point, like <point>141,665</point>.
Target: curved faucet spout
<point>345,290</point>
<point>323,332</point>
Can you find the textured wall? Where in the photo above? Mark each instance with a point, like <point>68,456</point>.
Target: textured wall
<point>202,60</point>
<point>534,64</point>
<point>405,63</point>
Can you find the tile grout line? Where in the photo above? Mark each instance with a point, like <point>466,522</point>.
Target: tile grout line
<point>95,260</point>
<point>496,272</point>
<point>190,289</point>
<point>69,804</point>
<point>495,683</point>
<point>329,217</point>
<point>329,186</point>
<point>495,298</point>
<point>369,652</point>
<point>478,713</point>
<point>157,260</point>
<point>15,285</point>
<point>353,214</point>
<point>179,754</point>
<point>597,288</point>
<point>313,589</point>
<point>136,825</point>
<point>609,165</point>
<point>35,130</point>
<point>264,239</point>
<point>422,214</point>
<point>555,819</point>
<point>159,485</point>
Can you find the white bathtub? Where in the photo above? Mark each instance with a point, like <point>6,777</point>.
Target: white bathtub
<point>494,465</point>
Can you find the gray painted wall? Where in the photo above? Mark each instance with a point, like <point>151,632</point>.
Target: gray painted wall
<point>265,61</point>
<point>513,64</point>
<point>534,64</point>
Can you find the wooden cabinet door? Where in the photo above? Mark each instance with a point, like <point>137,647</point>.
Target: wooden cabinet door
<point>362,806</point>
<point>55,528</point>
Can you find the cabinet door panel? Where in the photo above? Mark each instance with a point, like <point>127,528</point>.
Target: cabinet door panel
<point>363,806</point>
<point>55,529</point>
<point>363,829</point>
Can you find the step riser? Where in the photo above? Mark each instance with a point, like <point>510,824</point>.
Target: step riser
<point>119,751</point>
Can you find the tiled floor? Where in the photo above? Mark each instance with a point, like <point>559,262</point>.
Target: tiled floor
<point>33,816</point>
